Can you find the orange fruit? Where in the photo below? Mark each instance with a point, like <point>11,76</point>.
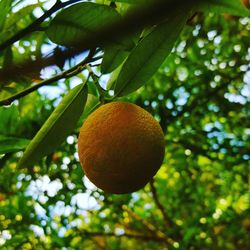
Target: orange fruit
<point>121,147</point>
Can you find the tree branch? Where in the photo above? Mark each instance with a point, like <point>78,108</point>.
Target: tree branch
<point>150,227</point>
<point>24,68</point>
<point>167,220</point>
<point>128,235</point>
<point>36,24</point>
<point>65,74</point>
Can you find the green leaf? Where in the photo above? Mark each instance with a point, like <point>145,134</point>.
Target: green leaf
<point>60,123</point>
<point>15,21</point>
<point>131,1</point>
<point>12,144</point>
<point>8,57</point>
<point>233,7</point>
<point>149,54</point>
<point>190,233</point>
<point>10,120</point>
<point>112,58</point>
<point>113,78</point>
<point>91,104</point>
<point>5,6</point>
<point>80,21</point>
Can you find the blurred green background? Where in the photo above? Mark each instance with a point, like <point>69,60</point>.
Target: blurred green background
<point>200,197</point>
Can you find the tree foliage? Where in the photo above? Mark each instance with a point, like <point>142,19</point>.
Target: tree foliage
<point>186,62</point>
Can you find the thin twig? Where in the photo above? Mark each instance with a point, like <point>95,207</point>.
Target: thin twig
<point>128,235</point>
<point>167,220</point>
<point>95,78</point>
<point>150,227</point>
<point>65,74</point>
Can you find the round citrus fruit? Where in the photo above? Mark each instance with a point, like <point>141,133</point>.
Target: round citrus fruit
<point>121,147</point>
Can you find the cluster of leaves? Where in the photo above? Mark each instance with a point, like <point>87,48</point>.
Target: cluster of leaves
<point>200,95</point>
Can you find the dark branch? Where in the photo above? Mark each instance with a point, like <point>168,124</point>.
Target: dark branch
<point>65,74</point>
<point>128,235</point>
<point>30,66</point>
<point>167,220</point>
<point>150,227</point>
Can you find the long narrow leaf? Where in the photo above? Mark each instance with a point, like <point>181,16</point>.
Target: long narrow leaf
<point>61,122</point>
<point>5,6</point>
<point>149,54</point>
<point>82,20</point>
<point>113,57</point>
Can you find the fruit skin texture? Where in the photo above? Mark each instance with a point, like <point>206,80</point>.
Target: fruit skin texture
<point>121,147</point>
